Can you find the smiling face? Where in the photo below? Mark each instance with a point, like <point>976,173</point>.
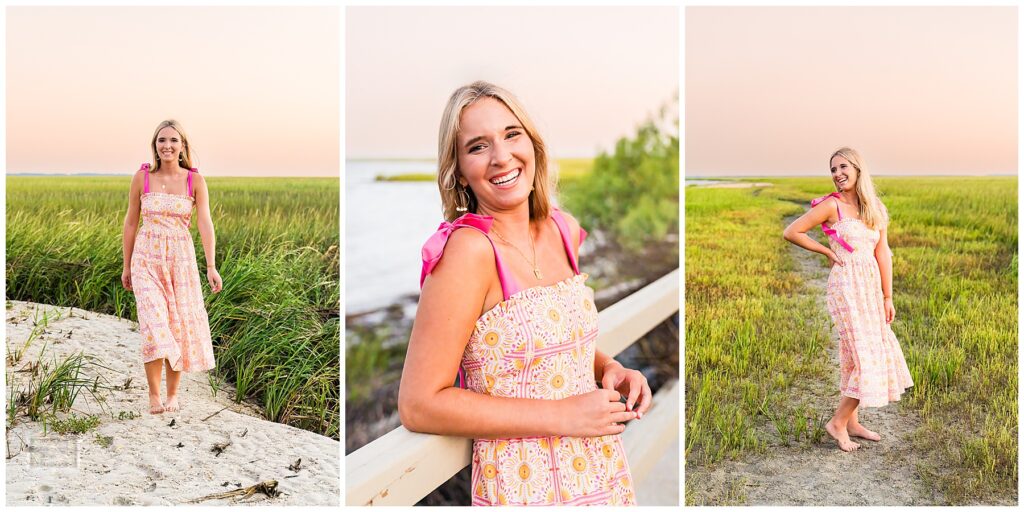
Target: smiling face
<point>168,145</point>
<point>495,156</point>
<point>844,174</point>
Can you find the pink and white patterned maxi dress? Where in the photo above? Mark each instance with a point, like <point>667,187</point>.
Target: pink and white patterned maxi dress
<point>165,280</point>
<point>871,364</point>
<point>537,343</point>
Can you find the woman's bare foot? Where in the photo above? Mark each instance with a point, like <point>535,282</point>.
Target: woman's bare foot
<point>841,437</point>
<point>172,404</point>
<point>155,407</point>
<point>858,430</point>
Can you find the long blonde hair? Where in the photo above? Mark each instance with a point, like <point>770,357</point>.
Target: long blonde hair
<point>185,159</point>
<point>453,194</point>
<point>872,212</point>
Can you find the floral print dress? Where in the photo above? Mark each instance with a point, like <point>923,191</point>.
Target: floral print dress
<point>165,280</point>
<point>538,343</point>
<point>871,364</point>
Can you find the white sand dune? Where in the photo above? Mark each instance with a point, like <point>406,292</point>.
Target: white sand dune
<point>149,461</point>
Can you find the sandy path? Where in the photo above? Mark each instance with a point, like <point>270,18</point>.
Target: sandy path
<point>882,473</point>
<point>149,461</point>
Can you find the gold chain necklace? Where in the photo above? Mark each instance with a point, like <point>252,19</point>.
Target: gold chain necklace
<point>536,269</point>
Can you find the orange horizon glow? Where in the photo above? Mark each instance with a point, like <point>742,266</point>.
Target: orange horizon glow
<point>256,88</point>
<point>916,90</point>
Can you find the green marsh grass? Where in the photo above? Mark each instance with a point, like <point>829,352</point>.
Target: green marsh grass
<point>103,441</point>
<point>751,337</point>
<point>14,397</point>
<point>369,360</point>
<point>413,176</point>
<point>39,324</point>
<point>74,424</point>
<point>574,168</point>
<point>52,388</point>
<point>275,324</point>
<point>126,415</point>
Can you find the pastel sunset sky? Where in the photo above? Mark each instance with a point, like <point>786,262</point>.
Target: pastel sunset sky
<point>916,90</point>
<point>256,88</point>
<point>586,75</point>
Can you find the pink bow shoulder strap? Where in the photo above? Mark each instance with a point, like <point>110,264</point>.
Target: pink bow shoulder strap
<point>828,230</point>
<point>433,249</point>
<point>145,186</point>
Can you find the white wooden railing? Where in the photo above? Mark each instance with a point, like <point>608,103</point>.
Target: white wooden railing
<point>401,467</point>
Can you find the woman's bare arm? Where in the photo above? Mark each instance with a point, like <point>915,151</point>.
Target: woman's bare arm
<point>884,256</point>
<point>450,303</point>
<point>207,234</point>
<point>131,226</point>
<point>205,222</point>
<point>796,232</point>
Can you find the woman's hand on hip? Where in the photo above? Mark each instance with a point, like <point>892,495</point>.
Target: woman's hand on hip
<point>834,258</point>
<point>126,279</point>
<point>890,310</point>
<point>214,279</point>
<point>598,413</point>
<point>632,383</point>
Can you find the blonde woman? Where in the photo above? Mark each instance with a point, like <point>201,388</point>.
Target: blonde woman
<point>160,264</point>
<point>871,365</point>
<point>504,306</point>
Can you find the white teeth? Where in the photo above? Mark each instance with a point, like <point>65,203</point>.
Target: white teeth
<point>508,178</point>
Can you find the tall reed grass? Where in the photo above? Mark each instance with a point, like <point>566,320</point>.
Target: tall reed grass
<point>275,325</point>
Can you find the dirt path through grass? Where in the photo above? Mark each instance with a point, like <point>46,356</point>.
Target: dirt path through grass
<point>879,473</point>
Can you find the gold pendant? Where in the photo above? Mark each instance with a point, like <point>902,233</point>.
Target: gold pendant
<point>536,272</point>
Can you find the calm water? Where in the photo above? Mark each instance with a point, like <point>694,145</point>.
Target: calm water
<point>386,224</point>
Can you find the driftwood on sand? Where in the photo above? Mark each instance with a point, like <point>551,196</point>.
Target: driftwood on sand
<point>268,488</point>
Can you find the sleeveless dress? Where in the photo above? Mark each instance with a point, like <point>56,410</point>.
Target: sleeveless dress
<point>871,364</point>
<point>165,280</point>
<point>537,343</point>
